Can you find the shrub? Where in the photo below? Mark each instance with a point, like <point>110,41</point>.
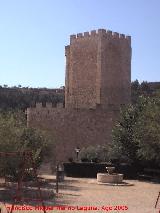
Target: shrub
<point>16,137</point>
<point>94,154</point>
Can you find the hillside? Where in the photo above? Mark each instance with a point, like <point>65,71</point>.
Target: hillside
<point>13,98</point>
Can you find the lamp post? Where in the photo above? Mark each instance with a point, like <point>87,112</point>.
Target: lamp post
<point>77,150</point>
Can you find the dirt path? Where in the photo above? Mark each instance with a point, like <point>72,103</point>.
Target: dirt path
<point>75,194</point>
<point>140,197</point>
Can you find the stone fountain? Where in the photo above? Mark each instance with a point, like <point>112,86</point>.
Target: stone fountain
<point>110,177</point>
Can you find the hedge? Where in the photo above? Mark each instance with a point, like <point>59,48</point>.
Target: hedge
<point>90,170</point>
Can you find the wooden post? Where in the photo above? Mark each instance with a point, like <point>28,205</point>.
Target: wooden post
<point>157,200</point>
<point>57,178</point>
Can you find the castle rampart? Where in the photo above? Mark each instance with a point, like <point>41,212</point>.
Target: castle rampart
<point>97,83</point>
<point>93,33</point>
<point>73,127</point>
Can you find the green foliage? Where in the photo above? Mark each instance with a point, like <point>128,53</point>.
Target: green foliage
<point>143,89</point>
<point>135,91</point>
<point>136,136</point>
<point>147,132</point>
<point>15,136</point>
<point>123,146</point>
<point>19,98</point>
<point>93,153</point>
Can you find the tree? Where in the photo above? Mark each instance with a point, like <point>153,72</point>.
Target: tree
<point>147,132</point>
<point>135,91</point>
<point>145,89</point>
<point>19,98</point>
<point>15,136</point>
<point>136,136</point>
<point>124,146</point>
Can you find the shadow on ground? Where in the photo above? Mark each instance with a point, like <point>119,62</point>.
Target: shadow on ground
<point>30,194</point>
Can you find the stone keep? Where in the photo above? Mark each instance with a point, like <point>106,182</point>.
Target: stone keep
<point>98,81</point>
<point>98,70</point>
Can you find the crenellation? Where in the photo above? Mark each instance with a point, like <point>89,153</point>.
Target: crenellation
<point>49,105</point>
<point>59,105</point>
<point>115,35</point>
<point>86,34</point>
<point>93,32</point>
<point>67,49</point>
<point>109,33</point>
<point>122,36</point>
<point>79,35</point>
<point>101,31</point>
<point>72,38</point>
<point>129,39</point>
<point>38,105</point>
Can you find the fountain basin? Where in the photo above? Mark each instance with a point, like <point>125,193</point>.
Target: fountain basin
<point>109,178</point>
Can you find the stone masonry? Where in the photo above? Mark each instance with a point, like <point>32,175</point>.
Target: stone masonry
<point>98,70</point>
<point>97,83</point>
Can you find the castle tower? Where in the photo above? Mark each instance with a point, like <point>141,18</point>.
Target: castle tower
<point>98,70</point>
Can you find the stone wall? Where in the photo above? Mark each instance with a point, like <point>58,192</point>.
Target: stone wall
<point>81,71</point>
<point>98,70</point>
<point>98,80</point>
<point>115,63</point>
<point>73,127</point>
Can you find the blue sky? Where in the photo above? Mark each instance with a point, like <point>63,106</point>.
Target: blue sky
<point>33,34</point>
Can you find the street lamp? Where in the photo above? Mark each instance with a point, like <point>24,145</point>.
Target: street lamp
<point>77,150</point>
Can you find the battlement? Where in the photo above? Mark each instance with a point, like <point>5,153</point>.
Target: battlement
<point>99,32</point>
<point>98,55</point>
<point>48,105</point>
